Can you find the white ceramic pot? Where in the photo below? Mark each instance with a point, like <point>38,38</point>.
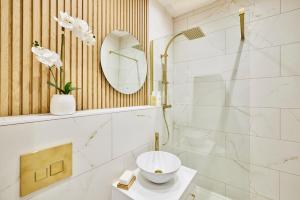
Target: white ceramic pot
<point>62,104</point>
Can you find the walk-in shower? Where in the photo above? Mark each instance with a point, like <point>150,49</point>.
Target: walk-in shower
<point>190,34</point>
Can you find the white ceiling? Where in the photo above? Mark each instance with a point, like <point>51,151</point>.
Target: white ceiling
<point>179,7</point>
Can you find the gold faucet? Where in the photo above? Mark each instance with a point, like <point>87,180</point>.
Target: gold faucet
<point>156,148</point>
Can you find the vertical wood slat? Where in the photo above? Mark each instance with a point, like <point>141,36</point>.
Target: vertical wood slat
<point>45,42</point>
<point>99,42</point>
<point>79,62</point>
<point>27,55</point>
<point>23,88</point>
<point>53,41</point>
<point>84,61</point>
<point>36,67</point>
<point>67,64</point>
<point>104,30</point>
<point>17,57</point>
<point>5,57</point>
<point>95,56</point>
<point>73,64</point>
<point>90,58</point>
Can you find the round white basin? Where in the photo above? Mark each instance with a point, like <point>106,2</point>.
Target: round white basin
<point>158,166</point>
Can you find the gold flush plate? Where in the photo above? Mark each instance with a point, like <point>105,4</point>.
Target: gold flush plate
<point>42,168</point>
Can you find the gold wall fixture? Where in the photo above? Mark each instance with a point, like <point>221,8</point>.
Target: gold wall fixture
<point>190,34</point>
<point>242,22</point>
<point>151,66</point>
<point>156,142</point>
<point>42,168</point>
<point>23,80</point>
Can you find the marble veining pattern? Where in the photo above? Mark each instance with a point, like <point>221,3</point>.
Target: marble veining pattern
<point>256,112</point>
<point>94,167</point>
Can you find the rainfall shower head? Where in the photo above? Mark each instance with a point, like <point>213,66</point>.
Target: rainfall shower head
<point>193,33</point>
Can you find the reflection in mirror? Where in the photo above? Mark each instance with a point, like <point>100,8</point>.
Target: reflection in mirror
<point>123,62</point>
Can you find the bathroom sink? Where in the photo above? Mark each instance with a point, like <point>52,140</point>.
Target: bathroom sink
<point>158,166</point>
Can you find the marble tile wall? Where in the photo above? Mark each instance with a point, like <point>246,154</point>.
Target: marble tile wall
<point>236,111</point>
<point>104,145</point>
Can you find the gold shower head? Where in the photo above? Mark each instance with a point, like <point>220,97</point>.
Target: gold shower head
<point>193,33</point>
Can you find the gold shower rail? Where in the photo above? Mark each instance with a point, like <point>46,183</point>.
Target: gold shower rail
<point>242,22</point>
<point>121,55</point>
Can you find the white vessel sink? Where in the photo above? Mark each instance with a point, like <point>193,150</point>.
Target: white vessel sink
<point>158,166</point>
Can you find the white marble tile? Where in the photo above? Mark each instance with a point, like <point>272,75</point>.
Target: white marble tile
<point>238,93</point>
<point>206,194</point>
<point>264,182</point>
<point>181,114</point>
<point>217,10</point>
<point>289,186</point>
<point>280,92</point>
<point>211,184</point>
<point>219,168</point>
<point>265,62</point>
<point>224,67</point>
<point>209,93</point>
<point>95,184</point>
<point>265,122</point>
<point>25,138</point>
<point>234,43</point>
<point>200,141</point>
<point>183,93</point>
<point>276,30</point>
<point>290,59</point>
<point>264,8</point>
<point>287,5</point>
<point>226,119</point>
<point>290,124</point>
<point>208,46</point>
<point>93,167</point>
<point>275,154</point>
<point>237,193</point>
<point>95,144</point>
<point>132,129</point>
<point>238,147</point>
<point>254,64</point>
<point>254,196</point>
<point>181,73</point>
<point>235,66</point>
<point>91,138</point>
<point>207,69</point>
<point>219,24</point>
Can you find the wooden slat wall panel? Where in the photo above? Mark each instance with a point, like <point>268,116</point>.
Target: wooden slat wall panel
<point>23,79</point>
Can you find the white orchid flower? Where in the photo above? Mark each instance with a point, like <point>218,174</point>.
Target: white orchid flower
<point>65,20</point>
<point>47,57</point>
<point>82,31</point>
<point>89,38</point>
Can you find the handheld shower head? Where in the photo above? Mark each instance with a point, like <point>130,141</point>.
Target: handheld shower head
<point>193,33</point>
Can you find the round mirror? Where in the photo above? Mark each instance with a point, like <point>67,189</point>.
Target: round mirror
<point>123,62</point>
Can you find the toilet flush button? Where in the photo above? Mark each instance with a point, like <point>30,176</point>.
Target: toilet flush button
<point>42,168</point>
<point>56,167</point>
<point>40,174</point>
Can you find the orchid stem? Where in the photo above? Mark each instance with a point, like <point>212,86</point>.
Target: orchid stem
<point>51,72</point>
<point>62,57</point>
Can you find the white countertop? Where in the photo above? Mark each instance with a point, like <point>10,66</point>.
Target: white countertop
<point>143,189</point>
<point>21,119</point>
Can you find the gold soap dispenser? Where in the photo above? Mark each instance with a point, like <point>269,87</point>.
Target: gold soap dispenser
<point>156,143</point>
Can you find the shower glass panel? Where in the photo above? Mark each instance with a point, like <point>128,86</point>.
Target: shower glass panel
<point>209,120</point>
